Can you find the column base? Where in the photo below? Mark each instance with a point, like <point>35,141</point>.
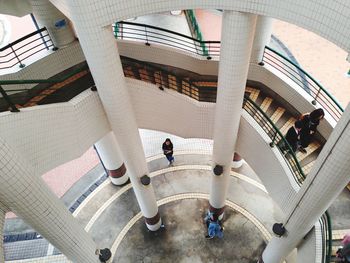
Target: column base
<point>219,212</point>
<point>237,161</point>
<point>104,255</point>
<point>118,176</point>
<point>120,181</point>
<point>153,223</point>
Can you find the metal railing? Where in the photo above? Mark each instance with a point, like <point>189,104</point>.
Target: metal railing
<point>277,138</point>
<point>17,97</point>
<point>155,35</point>
<point>326,229</point>
<point>303,80</point>
<point>194,27</point>
<point>23,48</point>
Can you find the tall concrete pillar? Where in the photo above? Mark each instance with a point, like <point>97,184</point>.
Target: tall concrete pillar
<point>327,179</point>
<point>236,43</point>
<point>30,198</point>
<point>101,52</point>
<point>3,210</point>
<point>108,150</point>
<point>262,38</point>
<point>47,15</point>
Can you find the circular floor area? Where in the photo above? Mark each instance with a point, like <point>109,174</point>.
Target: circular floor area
<point>183,238</point>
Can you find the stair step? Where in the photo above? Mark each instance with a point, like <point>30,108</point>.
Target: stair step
<point>283,119</point>
<point>254,93</point>
<point>266,104</point>
<point>287,125</point>
<point>313,146</point>
<point>277,114</point>
<point>339,234</point>
<point>307,168</point>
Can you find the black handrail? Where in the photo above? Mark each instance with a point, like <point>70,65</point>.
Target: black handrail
<point>313,87</point>
<point>156,35</point>
<point>143,32</point>
<point>277,138</point>
<point>23,38</point>
<point>27,48</point>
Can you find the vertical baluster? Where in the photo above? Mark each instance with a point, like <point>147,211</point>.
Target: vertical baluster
<point>21,65</point>
<point>147,44</point>
<point>272,143</point>
<point>209,52</point>
<point>8,100</point>
<point>261,63</point>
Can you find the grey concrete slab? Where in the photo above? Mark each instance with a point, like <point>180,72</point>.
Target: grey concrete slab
<point>182,239</point>
<point>25,249</point>
<point>82,185</point>
<point>340,211</point>
<point>111,222</point>
<point>122,210</point>
<point>98,200</point>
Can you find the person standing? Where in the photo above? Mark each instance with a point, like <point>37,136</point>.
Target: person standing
<point>168,150</point>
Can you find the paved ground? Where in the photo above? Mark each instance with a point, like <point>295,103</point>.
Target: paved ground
<point>183,238</point>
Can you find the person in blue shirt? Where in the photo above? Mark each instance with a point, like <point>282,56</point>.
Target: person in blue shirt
<point>214,227</point>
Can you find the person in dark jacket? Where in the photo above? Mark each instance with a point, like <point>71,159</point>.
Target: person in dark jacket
<point>168,150</point>
<point>309,126</point>
<point>292,135</point>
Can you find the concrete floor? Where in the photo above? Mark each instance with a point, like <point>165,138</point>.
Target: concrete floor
<point>182,239</point>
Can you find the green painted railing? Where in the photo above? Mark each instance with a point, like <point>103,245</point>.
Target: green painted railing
<point>193,23</point>
<point>304,80</point>
<point>277,138</point>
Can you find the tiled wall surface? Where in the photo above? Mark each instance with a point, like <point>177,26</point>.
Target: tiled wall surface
<point>169,56</point>
<point>58,133</point>
<point>2,221</point>
<point>29,197</point>
<point>327,18</point>
<point>253,145</point>
<point>50,135</point>
<point>170,112</point>
<point>307,248</point>
<point>47,67</point>
<point>193,119</point>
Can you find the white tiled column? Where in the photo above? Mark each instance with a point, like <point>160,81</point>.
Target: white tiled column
<point>327,179</point>
<point>30,198</point>
<point>3,211</point>
<point>47,15</point>
<point>262,38</point>
<point>101,52</point>
<point>108,150</point>
<point>236,42</point>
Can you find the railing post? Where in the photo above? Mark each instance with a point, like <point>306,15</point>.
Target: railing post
<point>147,44</point>
<point>8,100</point>
<point>208,55</point>
<point>261,63</point>
<point>272,143</point>
<point>21,65</point>
<point>314,102</point>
